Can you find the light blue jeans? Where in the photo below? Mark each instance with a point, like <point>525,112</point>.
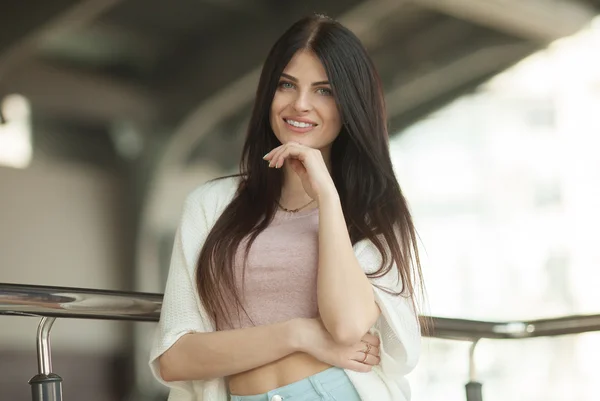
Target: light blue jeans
<point>329,385</point>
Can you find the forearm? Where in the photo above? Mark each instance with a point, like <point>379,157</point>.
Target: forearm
<point>202,356</point>
<point>345,295</point>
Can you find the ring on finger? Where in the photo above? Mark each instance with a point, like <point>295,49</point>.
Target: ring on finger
<point>365,358</point>
<point>368,348</point>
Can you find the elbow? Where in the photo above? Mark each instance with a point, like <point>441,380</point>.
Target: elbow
<point>171,369</point>
<point>348,334</point>
<point>353,330</point>
<point>165,369</point>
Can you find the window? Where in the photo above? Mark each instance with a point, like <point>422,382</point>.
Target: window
<point>15,132</point>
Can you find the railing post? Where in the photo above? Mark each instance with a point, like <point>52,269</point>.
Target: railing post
<point>473,387</point>
<point>45,386</point>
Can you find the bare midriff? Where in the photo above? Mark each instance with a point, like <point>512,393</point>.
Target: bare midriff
<point>282,372</point>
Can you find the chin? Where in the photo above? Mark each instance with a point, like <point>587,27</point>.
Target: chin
<point>285,137</point>
<point>302,141</point>
<point>306,139</point>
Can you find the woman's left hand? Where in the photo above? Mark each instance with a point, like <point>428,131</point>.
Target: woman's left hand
<point>308,163</point>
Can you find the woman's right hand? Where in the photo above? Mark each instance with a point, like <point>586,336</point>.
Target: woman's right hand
<point>314,339</point>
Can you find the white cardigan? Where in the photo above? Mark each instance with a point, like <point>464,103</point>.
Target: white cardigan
<point>182,310</point>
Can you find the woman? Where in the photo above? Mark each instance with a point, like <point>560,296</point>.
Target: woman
<point>267,296</point>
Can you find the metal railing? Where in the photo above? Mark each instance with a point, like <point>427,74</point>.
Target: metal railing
<point>50,303</point>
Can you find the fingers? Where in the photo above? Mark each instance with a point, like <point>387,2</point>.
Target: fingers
<point>358,367</point>
<point>367,359</point>
<point>277,156</point>
<point>371,339</point>
<point>269,156</point>
<point>369,349</point>
<point>368,354</point>
<point>359,363</point>
<point>274,156</point>
<point>286,151</point>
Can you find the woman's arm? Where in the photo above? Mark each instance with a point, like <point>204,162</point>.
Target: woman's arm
<point>203,356</point>
<point>345,294</point>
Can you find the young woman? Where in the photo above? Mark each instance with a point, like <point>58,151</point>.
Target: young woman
<point>295,280</point>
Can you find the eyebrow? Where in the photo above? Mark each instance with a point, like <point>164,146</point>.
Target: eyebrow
<point>294,79</point>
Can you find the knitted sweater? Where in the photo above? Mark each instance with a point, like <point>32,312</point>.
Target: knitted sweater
<point>182,310</point>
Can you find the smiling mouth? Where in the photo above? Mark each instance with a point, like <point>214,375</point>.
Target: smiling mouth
<point>299,124</point>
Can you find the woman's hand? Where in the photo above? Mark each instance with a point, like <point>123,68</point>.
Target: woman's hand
<point>316,341</point>
<point>308,163</point>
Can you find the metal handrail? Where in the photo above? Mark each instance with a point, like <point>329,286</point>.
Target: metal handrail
<point>78,303</point>
<point>81,303</point>
<point>470,330</point>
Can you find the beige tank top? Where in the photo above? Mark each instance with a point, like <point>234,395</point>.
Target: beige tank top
<point>280,281</point>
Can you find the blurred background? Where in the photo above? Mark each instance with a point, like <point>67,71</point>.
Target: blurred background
<point>113,110</point>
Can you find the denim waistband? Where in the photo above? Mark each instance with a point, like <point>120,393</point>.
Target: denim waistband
<point>323,381</point>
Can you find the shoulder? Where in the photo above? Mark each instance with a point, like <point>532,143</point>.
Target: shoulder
<point>215,190</point>
<point>213,196</point>
<point>367,252</point>
<point>372,260</point>
<point>201,209</point>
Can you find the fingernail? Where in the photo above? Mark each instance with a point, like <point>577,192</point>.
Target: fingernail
<point>266,155</point>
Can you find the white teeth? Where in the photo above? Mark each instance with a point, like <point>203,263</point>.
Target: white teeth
<point>299,124</point>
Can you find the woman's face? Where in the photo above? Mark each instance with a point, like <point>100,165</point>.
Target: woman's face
<point>303,108</point>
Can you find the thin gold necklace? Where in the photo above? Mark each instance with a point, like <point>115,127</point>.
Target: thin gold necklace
<point>293,210</point>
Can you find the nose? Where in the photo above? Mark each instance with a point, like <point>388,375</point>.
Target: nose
<point>302,102</point>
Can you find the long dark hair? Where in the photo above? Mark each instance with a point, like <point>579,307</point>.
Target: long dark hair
<point>362,171</point>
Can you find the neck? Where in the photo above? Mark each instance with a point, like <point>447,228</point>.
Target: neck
<point>292,192</point>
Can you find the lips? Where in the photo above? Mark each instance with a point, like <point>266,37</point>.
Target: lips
<point>299,125</point>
